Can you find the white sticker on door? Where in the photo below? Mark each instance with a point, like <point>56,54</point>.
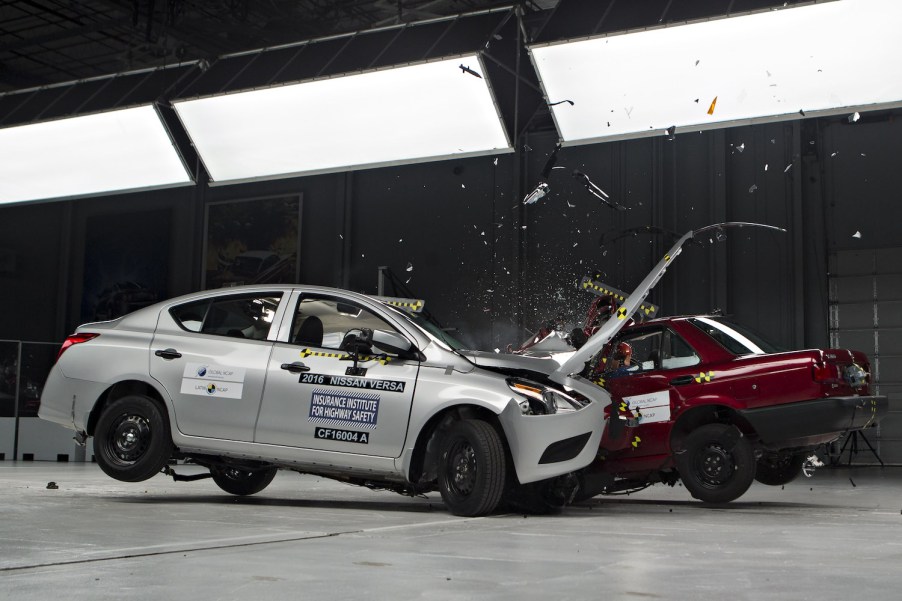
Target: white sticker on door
<point>204,379</point>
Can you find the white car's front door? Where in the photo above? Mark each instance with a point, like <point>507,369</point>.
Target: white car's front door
<point>315,399</point>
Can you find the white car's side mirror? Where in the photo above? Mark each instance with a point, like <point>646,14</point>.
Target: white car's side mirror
<point>390,342</point>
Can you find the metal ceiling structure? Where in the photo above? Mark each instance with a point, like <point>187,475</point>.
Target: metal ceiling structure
<point>44,42</point>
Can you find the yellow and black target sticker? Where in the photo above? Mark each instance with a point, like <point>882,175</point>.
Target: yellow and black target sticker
<point>636,441</point>
<point>343,356</point>
<point>412,305</point>
<point>621,313</point>
<point>704,377</point>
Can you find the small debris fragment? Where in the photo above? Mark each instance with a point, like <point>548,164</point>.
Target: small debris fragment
<point>713,104</point>
<point>670,132</point>
<point>853,483</point>
<point>753,187</point>
<point>409,266</point>
<point>741,147</point>
<point>801,112</point>
<point>496,161</point>
<point>570,102</point>
<point>465,69</point>
<point>788,167</point>
<point>857,234</point>
<point>854,117</point>
<point>52,485</point>
<point>765,166</point>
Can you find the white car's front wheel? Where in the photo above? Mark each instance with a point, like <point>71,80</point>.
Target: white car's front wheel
<point>238,481</point>
<point>472,468</point>
<point>132,440</point>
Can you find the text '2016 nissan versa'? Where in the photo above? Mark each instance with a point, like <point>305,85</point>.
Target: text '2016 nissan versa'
<point>248,380</point>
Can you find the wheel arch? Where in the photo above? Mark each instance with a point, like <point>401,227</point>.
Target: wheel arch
<point>421,469</point>
<point>718,412</point>
<point>122,389</point>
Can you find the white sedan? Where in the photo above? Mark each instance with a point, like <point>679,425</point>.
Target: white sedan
<point>249,380</point>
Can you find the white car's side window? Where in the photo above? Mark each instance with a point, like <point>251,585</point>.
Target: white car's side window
<point>245,316</point>
<point>325,323</point>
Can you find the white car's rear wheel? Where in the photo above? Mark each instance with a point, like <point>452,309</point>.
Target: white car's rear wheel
<point>132,441</point>
<point>472,468</point>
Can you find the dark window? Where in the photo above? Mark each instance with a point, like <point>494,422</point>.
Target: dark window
<point>737,339</point>
<point>249,316</point>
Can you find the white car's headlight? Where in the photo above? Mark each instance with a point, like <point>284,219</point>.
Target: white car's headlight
<point>538,399</point>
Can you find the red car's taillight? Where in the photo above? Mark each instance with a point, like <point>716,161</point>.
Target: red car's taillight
<point>75,339</point>
<point>825,372</point>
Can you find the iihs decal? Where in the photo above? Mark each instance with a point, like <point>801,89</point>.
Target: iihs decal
<point>342,435</point>
<point>352,382</point>
<point>344,409</point>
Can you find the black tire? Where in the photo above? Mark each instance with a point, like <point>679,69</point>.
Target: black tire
<point>779,468</point>
<point>717,464</point>
<point>241,481</point>
<point>472,467</point>
<point>132,441</point>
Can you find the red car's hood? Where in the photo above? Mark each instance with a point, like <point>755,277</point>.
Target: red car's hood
<point>577,361</point>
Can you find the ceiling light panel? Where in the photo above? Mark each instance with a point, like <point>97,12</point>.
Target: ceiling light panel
<point>793,62</point>
<point>400,115</point>
<point>119,150</point>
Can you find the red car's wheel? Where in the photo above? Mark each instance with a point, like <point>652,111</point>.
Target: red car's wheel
<point>779,468</point>
<point>717,463</point>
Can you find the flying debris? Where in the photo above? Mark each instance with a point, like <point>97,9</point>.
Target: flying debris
<point>570,102</point>
<point>788,167</point>
<point>466,69</point>
<point>801,112</point>
<point>537,194</point>
<point>741,147</point>
<point>857,234</point>
<point>596,191</point>
<point>409,266</point>
<point>854,117</point>
<point>670,132</point>
<point>542,188</point>
<point>713,104</point>
<point>753,188</point>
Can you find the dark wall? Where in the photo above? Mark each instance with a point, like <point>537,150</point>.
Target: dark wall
<point>457,234</point>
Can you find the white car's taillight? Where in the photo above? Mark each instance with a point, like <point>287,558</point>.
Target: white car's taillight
<point>75,339</point>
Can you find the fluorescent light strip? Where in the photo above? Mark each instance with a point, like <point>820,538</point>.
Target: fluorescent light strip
<point>822,59</point>
<point>127,149</point>
<point>399,115</point>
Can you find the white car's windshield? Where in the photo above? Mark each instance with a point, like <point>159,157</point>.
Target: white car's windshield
<point>431,329</point>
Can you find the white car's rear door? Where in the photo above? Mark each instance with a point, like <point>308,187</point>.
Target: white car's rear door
<point>211,356</point>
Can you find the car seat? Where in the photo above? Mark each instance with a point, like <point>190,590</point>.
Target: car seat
<point>311,332</point>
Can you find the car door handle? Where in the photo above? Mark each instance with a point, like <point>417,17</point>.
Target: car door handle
<point>682,380</point>
<point>295,368</point>
<point>169,353</point>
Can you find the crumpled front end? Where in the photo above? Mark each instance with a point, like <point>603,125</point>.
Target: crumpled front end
<point>546,446</point>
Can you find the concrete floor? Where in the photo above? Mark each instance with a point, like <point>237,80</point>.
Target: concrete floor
<point>837,535</point>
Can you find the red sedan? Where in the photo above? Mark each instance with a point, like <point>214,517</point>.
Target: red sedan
<point>706,401</point>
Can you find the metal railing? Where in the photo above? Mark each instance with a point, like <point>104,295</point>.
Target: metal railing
<point>24,366</point>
